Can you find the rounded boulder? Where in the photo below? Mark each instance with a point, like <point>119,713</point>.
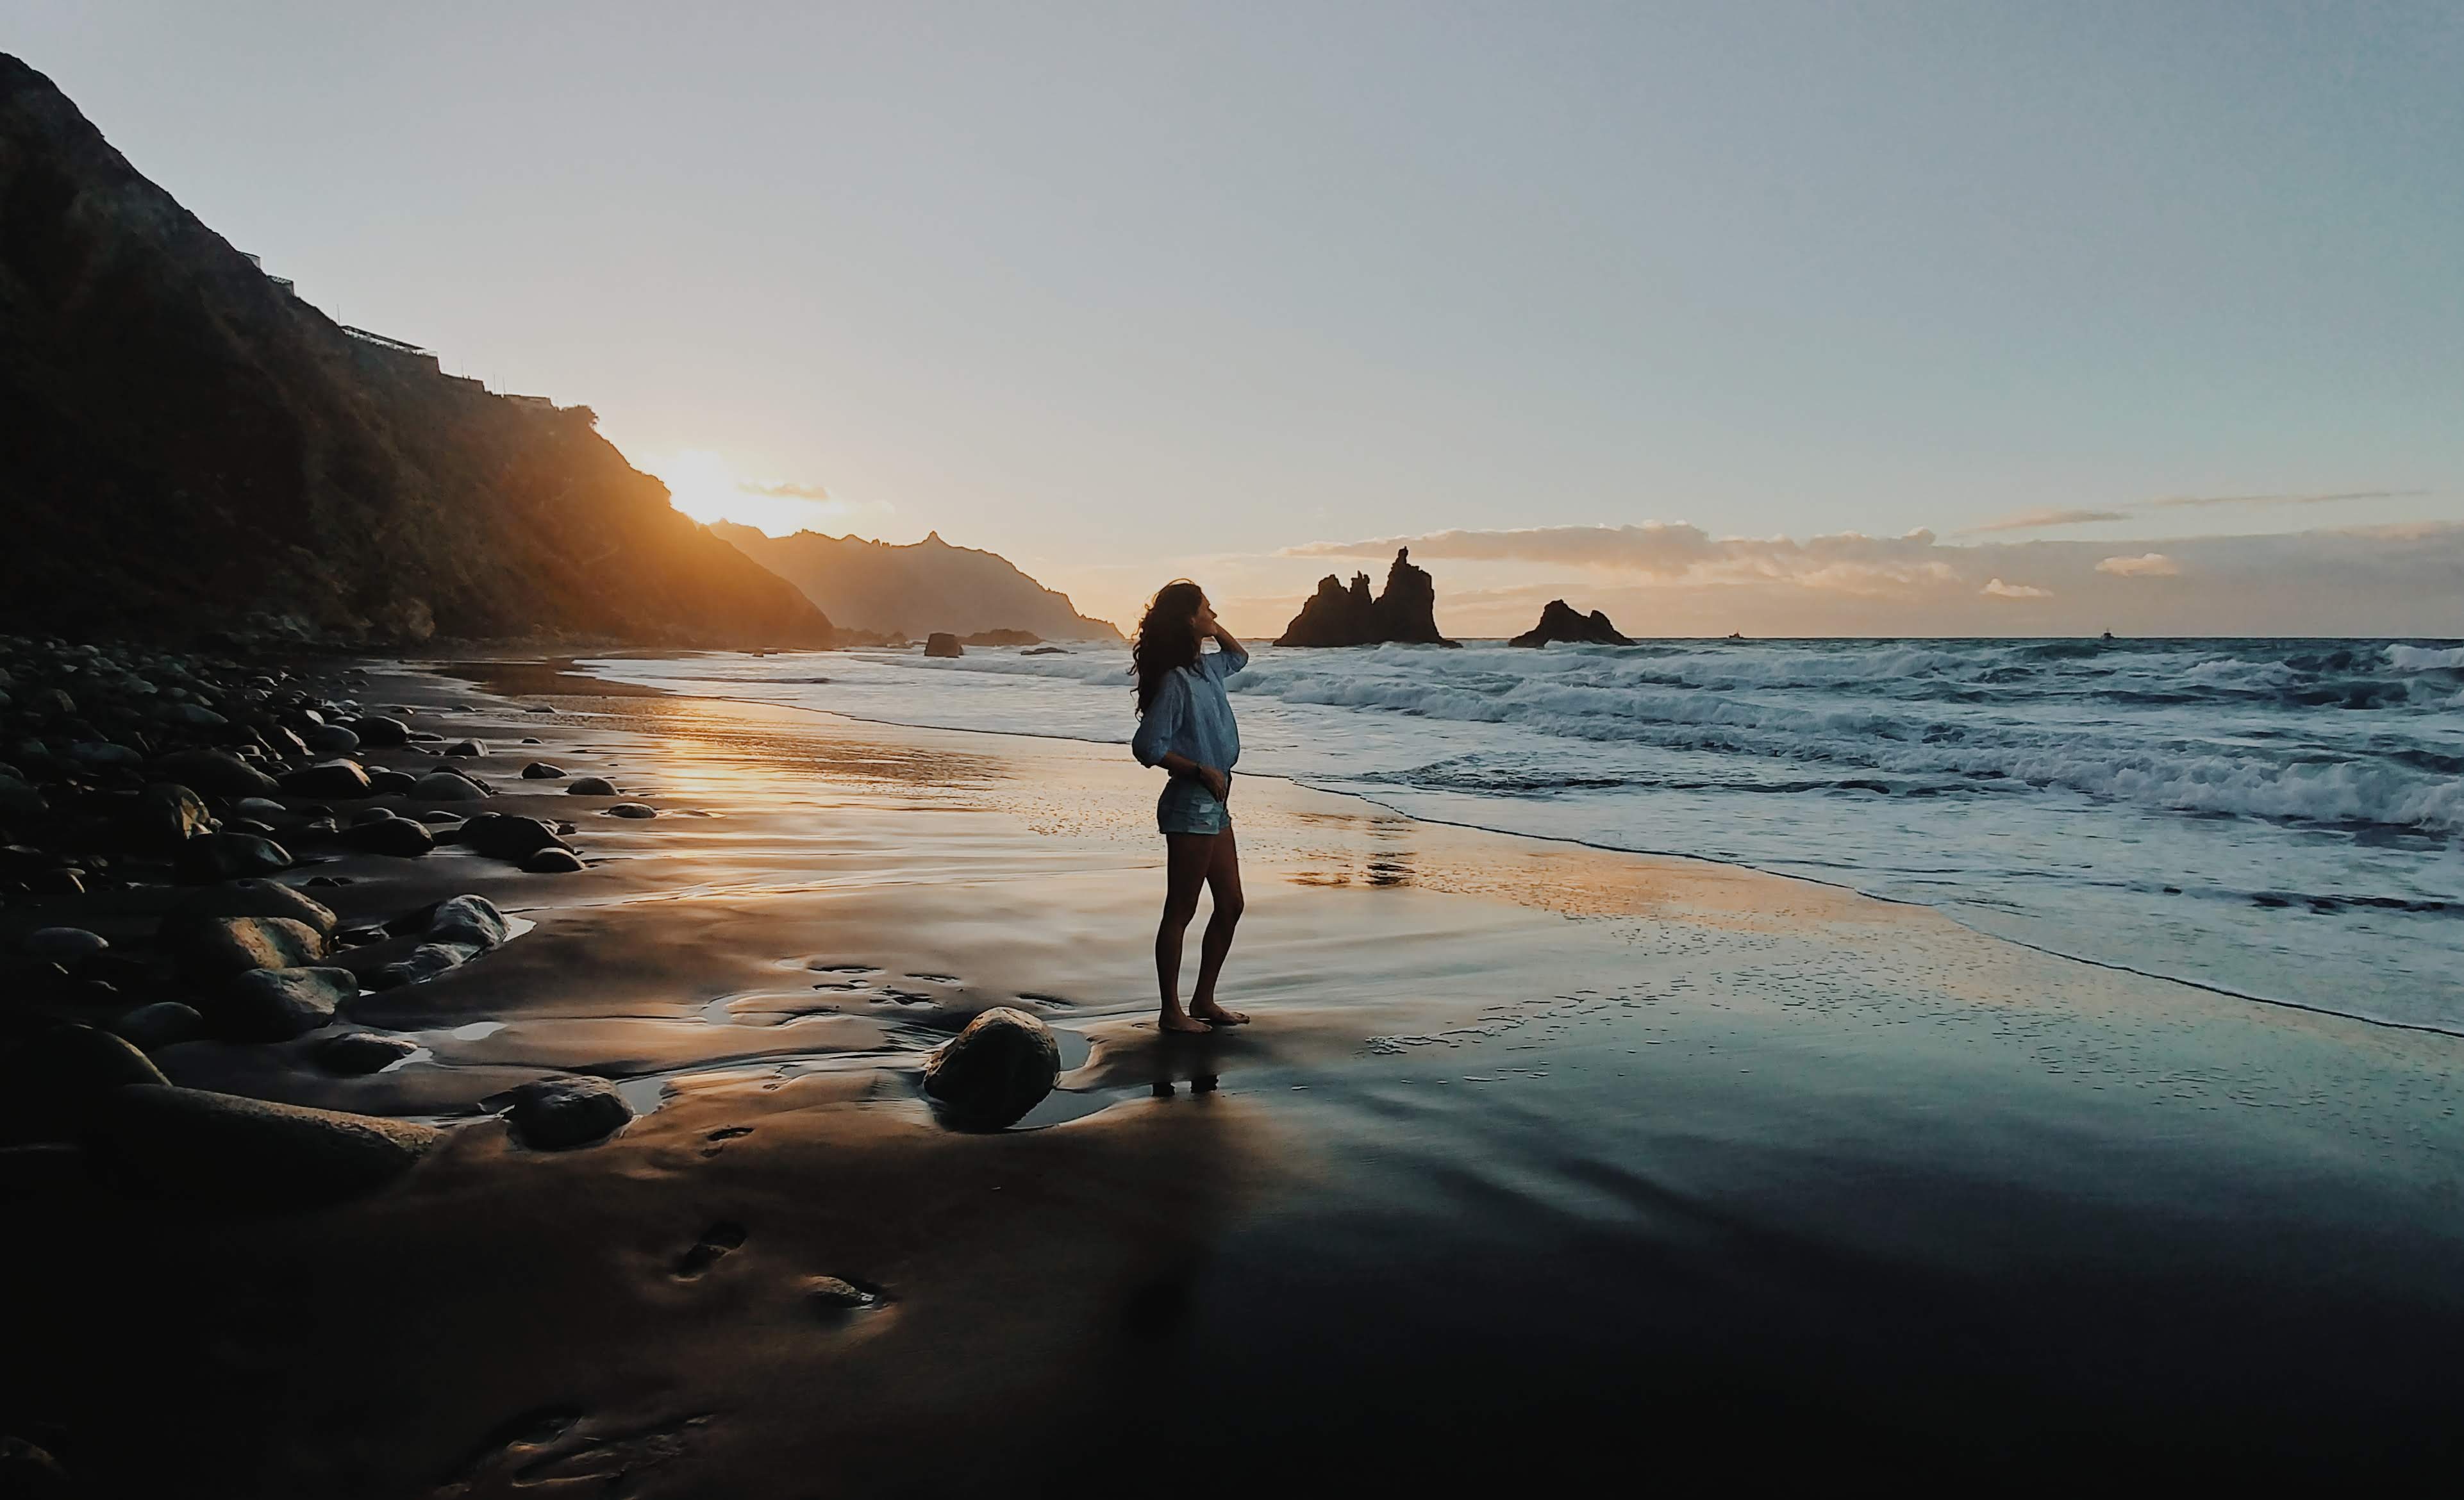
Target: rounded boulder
<point>997,1069</point>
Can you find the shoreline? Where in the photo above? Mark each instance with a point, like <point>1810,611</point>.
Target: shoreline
<point>1663,1137</point>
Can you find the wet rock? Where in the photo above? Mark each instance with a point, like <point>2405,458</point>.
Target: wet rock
<point>456,931</point>
<point>216,773</point>
<point>997,1069</point>
<point>357,1053</point>
<point>262,809</point>
<point>505,836</point>
<point>378,731</point>
<point>591,787</point>
<point>830,1295</point>
<point>58,880</point>
<point>561,1113</point>
<point>228,856</point>
<point>399,837</point>
<point>632,810</point>
<point>276,1005</point>
<point>222,1149</point>
<point>258,898</point>
<point>164,816</point>
<point>464,747</point>
<point>1335,615</point>
<point>1558,622</point>
<point>941,643</point>
<point>329,739</point>
<point>445,787</point>
<point>28,1472</point>
<point>160,1025</point>
<point>345,780</point>
<point>66,947</point>
<point>104,754</point>
<point>212,949</point>
<point>391,783</point>
<point>48,1086</point>
<point>552,862</point>
<point>542,771</point>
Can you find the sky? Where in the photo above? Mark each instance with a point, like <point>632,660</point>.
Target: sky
<point>1257,291</point>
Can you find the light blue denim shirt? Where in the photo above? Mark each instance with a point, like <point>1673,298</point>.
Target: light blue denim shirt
<point>1191,716</point>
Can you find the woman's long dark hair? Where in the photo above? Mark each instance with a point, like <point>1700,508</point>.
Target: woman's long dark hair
<point>1166,638</point>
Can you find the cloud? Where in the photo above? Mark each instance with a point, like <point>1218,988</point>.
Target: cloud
<point>2175,501</point>
<point>2147,565</point>
<point>1673,579</point>
<point>784,491</point>
<point>2032,521</point>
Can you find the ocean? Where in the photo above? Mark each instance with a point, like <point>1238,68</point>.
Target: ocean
<point>2282,819</point>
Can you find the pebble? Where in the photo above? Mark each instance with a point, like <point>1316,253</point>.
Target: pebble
<point>278,1004</point>
<point>66,947</point>
<point>552,862</point>
<point>356,1053</point>
<point>632,810</point>
<point>561,1113</point>
<point>591,787</point>
<point>542,771</point>
<point>160,1025</point>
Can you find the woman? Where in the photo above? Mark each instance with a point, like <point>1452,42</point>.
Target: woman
<point>1185,726</point>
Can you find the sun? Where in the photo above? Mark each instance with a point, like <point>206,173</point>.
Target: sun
<point>704,486</point>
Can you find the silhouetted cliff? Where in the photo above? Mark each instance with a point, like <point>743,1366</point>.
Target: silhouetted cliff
<point>1559,622</point>
<point>1404,612</point>
<point>918,588</point>
<point>185,445</point>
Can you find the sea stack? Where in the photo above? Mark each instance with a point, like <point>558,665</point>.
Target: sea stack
<point>1560,623</point>
<point>1405,611</point>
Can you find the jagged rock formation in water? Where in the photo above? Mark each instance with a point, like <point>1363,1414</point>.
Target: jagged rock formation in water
<point>915,589</point>
<point>1404,612</point>
<point>1559,622</point>
<point>184,445</point>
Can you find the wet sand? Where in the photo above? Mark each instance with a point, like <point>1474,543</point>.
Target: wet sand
<point>1536,1160</point>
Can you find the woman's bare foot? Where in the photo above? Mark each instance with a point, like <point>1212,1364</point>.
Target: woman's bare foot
<point>1177,1021</point>
<point>1209,1011</point>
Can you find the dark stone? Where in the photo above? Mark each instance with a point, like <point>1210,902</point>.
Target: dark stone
<point>58,880</point>
<point>542,771</point>
<point>559,1114</point>
<point>378,731</point>
<point>225,1150</point>
<point>276,1005</point>
<point>163,816</point>
<point>552,862</point>
<point>228,856</point>
<point>391,783</point>
<point>832,1297</point>
<point>1404,612</point>
<point>258,899</point>
<point>1559,622</point>
<point>329,739</point>
<point>472,921</point>
<point>27,1473</point>
<point>160,1025</point>
<point>591,787</point>
<point>997,1069</point>
<point>632,810</point>
<point>1045,650</point>
<point>216,773</point>
<point>505,836</point>
<point>464,747</point>
<point>399,837</point>
<point>345,780</point>
<point>359,1052</point>
<point>445,787</point>
<point>941,643</point>
<point>212,949</point>
<point>66,947</point>
<point>49,1087</point>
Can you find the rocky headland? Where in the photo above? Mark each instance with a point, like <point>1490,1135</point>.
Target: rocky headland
<point>1559,622</point>
<point>1404,610</point>
<point>878,593</point>
<point>188,446</point>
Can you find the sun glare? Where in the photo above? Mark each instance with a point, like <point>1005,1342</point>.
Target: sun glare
<point>703,486</point>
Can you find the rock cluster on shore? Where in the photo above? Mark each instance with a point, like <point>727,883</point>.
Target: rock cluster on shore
<point>1404,612</point>
<point>164,792</point>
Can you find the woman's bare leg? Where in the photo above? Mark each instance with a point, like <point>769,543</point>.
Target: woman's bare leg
<point>1187,859</point>
<point>1223,880</point>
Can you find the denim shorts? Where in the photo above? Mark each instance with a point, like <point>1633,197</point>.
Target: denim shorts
<point>1187,807</point>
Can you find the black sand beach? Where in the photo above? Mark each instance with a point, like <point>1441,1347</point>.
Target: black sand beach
<point>1538,1162</point>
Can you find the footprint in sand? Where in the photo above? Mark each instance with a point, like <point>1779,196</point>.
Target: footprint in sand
<point>719,1137</point>
<point>716,1241</point>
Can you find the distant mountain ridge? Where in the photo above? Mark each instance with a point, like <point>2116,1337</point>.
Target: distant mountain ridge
<point>916,588</point>
<point>187,446</point>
